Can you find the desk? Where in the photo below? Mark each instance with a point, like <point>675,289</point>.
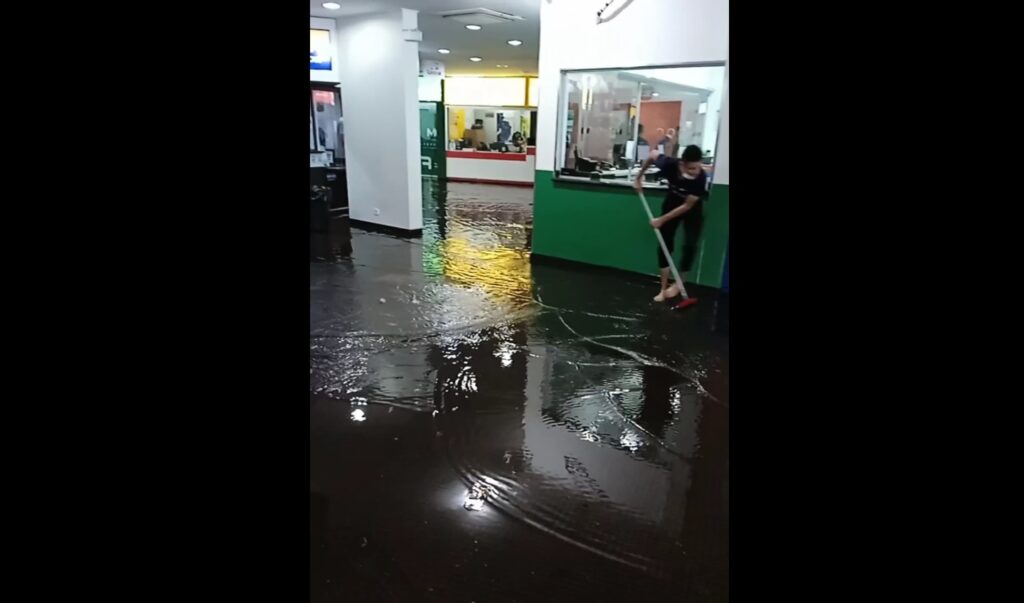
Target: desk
<point>492,167</point>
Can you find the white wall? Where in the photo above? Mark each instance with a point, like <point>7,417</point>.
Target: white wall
<point>430,88</point>
<point>379,72</point>
<point>647,33</point>
<point>332,75</point>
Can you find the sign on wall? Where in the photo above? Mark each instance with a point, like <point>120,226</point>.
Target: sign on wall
<point>429,67</point>
<point>320,51</point>
<point>432,153</point>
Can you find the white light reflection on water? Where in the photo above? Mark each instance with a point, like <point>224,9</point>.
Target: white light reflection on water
<point>477,496</point>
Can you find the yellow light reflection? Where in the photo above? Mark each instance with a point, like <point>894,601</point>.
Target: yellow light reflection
<point>500,271</point>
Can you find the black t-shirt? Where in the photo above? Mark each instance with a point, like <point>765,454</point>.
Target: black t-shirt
<point>678,187</point>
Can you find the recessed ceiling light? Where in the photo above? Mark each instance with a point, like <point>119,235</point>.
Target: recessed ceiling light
<point>474,27</point>
<point>443,50</point>
<point>501,66</point>
<point>475,59</point>
<point>331,5</point>
<point>654,94</point>
<point>514,42</point>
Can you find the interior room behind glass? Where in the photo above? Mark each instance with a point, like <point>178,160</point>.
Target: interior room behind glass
<point>501,129</point>
<point>612,119</point>
<point>326,125</point>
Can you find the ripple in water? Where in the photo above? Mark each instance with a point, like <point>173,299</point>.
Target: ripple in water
<point>585,428</point>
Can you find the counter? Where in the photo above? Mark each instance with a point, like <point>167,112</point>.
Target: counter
<point>624,178</point>
<point>492,167</point>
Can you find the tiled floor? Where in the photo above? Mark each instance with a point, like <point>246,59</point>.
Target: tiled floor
<point>595,421</point>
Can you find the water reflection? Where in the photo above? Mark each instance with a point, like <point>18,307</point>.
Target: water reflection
<point>560,397</point>
<point>477,242</point>
<point>659,400</point>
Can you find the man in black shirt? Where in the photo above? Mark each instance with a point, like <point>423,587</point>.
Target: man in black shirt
<point>687,189</point>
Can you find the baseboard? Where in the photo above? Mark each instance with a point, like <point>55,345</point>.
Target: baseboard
<point>537,258</point>
<point>384,229</point>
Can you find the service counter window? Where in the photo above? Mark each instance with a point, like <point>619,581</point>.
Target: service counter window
<point>491,129</point>
<point>613,118</point>
<point>326,125</point>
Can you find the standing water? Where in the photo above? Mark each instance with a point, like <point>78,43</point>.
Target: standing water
<point>487,429</point>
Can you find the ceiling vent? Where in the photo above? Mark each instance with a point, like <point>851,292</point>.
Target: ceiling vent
<point>479,16</point>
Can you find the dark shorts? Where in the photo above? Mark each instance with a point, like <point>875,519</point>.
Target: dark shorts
<point>693,224</point>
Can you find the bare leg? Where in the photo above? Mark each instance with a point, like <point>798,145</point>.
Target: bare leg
<point>675,288</point>
<point>680,286</point>
<point>668,231</point>
<point>664,293</point>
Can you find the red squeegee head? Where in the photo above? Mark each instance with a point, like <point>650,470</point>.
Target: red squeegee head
<point>686,303</point>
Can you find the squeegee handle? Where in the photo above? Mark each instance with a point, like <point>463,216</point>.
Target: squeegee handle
<point>664,247</point>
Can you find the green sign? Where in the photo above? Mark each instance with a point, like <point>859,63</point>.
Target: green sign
<point>432,154</point>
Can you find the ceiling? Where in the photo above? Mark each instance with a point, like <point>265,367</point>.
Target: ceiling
<point>488,43</point>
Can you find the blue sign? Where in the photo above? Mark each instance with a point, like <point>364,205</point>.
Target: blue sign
<point>320,55</point>
<point>725,273</point>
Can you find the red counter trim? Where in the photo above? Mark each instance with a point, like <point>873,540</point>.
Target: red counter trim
<point>485,181</point>
<point>494,156</point>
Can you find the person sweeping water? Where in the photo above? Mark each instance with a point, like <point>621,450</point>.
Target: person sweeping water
<point>684,204</point>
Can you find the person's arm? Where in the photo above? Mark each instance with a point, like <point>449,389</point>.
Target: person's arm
<point>638,184</point>
<point>687,205</point>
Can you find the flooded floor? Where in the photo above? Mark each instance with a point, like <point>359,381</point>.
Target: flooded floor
<point>486,429</point>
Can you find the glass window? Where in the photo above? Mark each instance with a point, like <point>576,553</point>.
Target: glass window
<point>490,129</point>
<point>612,119</point>
<point>327,123</point>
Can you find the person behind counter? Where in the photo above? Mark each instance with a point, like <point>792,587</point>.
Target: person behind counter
<point>666,143</point>
<point>687,188</point>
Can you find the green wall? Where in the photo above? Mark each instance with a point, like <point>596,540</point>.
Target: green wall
<point>606,226</point>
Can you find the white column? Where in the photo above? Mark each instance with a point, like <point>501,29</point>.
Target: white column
<point>722,154</point>
<point>378,66</point>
